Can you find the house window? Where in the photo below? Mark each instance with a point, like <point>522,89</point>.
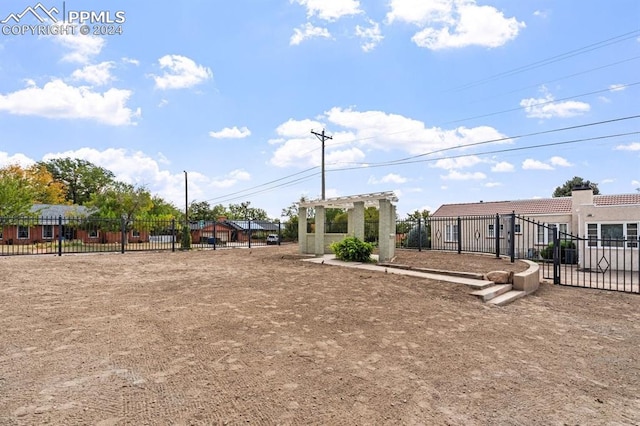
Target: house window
<point>93,233</point>
<point>632,235</point>
<point>518,228</point>
<point>612,234</point>
<point>451,233</point>
<point>135,233</point>
<point>545,232</point>
<point>0,232</point>
<point>47,232</point>
<point>592,234</point>
<point>23,232</point>
<point>492,230</point>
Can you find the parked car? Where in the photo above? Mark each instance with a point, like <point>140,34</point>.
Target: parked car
<point>273,239</point>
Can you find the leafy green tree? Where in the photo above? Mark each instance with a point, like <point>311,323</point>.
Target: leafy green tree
<point>243,211</point>
<point>162,209</point>
<point>565,190</point>
<point>80,178</point>
<point>203,211</point>
<point>122,200</point>
<point>16,195</point>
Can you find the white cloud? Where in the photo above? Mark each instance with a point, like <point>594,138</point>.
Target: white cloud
<point>636,183</point>
<point>19,159</point>
<point>559,162</point>
<point>503,167</point>
<point>81,48</point>
<point>371,36</point>
<point>56,99</point>
<point>546,107</point>
<point>97,75</point>
<point>131,61</point>
<point>138,168</point>
<point>330,10</point>
<point>390,178</point>
<point>530,164</point>
<point>231,133</point>
<point>456,175</point>
<point>492,184</point>
<point>606,181</point>
<point>458,163</point>
<point>541,13</point>
<point>343,157</point>
<point>617,87</point>
<point>454,24</point>
<point>308,31</point>
<point>634,146</point>
<point>163,103</point>
<point>371,130</point>
<point>180,72</point>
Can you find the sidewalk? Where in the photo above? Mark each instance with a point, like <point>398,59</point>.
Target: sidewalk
<point>330,259</point>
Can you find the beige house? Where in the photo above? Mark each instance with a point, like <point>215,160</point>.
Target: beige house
<point>601,226</point>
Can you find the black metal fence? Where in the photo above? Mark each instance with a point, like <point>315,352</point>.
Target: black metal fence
<point>66,235</point>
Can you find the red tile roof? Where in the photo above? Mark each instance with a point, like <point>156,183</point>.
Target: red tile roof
<point>616,200</point>
<point>560,205</point>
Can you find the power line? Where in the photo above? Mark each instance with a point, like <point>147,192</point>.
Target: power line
<point>245,193</point>
<point>550,60</point>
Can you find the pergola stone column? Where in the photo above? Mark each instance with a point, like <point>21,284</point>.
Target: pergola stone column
<point>302,230</point>
<point>355,206</point>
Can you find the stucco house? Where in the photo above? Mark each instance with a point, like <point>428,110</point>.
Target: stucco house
<point>605,225</point>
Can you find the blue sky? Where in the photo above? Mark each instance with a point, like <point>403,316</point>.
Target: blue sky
<point>413,92</point>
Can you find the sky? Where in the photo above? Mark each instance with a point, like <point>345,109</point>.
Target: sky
<point>440,101</point>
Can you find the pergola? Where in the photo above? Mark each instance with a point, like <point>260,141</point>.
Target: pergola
<point>318,243</point>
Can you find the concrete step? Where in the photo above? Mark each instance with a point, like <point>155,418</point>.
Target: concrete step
<point>507,297</point>
<point>492,292</point>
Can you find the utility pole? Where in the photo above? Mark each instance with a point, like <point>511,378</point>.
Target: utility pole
<point>186,200</point>
<point>322,138</point>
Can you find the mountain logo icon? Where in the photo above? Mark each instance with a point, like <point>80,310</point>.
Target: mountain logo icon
<point>40,12</point>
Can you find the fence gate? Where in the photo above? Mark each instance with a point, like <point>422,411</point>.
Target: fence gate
<point>588,262</point>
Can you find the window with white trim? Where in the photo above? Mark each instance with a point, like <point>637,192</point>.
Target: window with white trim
<point>451,233</point>
<point>93,233</point>
<point>544,233</point>
<point>0,232</point>
<point>517,228</point>
<point>612,234</point>
<point>492,230</point>
<point>23,232</point>
<point>135,233</point>
<point>47,232</point>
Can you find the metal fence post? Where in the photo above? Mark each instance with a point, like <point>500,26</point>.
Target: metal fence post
<point>123,234</point>
<point>215,235</point>
<point>173,235</point>
<point>497,225</point>
<point>556,256</point>
<point>419,234</point>
<point>59,235</point>
<point>459,225</point>
<point>249,231</point>
<point>512,232</point>
<point>279,232</point>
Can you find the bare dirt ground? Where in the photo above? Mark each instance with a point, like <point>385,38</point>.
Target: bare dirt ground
<point>452,261</point>
<point>259,337</point>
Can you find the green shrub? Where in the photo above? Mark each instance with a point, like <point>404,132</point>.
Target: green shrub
<point>185,242</point>
<point>547,252</point>
<point>352,249</point>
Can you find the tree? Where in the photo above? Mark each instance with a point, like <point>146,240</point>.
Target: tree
<point>203,211</point>
<point>242,211</point>
<point>80,178</point>
<point>16,196</point>
<point>565,190</point>
<point>39,181</point>
<point>122,201</point>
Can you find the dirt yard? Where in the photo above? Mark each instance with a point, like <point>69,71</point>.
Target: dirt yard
<point>259,337</point>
